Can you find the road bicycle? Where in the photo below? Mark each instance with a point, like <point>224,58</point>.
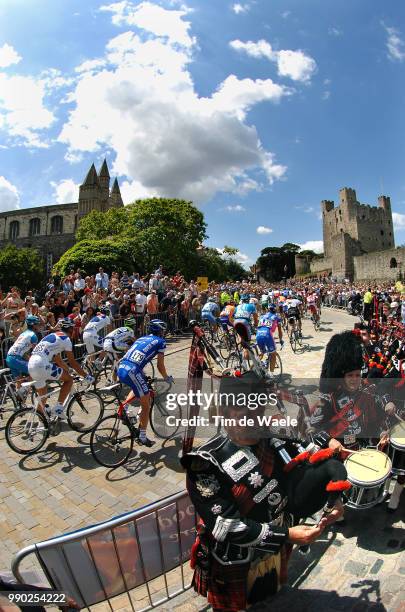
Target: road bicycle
<point>10,397</point>
<point>316,321</point>
<point>104,371</point>
<point>295,335</point>
<point>112,440</point>
<point>277,372</point>
<point>227,341</point>
<point>29,427</point>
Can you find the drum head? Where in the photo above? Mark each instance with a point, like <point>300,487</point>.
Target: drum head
<point>368,467</point>
<point>397,435</point>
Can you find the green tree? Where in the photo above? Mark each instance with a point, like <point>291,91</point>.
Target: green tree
<point>111,254</point>
<point>290,247</point>
<point>219,268</point>
<point>231,251</point>
<point>166,231</point>
<point>22,267</point>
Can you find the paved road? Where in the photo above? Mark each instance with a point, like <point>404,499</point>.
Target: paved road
<point>61,489</point>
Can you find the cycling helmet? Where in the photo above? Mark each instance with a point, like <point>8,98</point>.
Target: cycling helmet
<point>272,308</point>
<point>32,320</point>
<point>211,299</point>
<point>244,298</point>
<point>104,310</point>
<point>156,326</point>
<point>66,324</point>
<point>130,330</point>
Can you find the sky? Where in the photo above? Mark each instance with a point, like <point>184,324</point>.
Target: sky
<point>255,110</point>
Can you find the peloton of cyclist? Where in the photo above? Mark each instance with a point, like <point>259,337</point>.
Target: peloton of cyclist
<point>91,333</point>
<point>268,324</point>
<point>45,364</point>
<point>19,352</point>
<point>130,371</point>
<point>210,311</point>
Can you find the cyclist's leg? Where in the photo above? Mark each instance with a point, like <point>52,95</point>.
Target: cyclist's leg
<point>135,379</point>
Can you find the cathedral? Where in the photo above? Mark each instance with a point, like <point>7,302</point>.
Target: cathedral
<point>51,229</point>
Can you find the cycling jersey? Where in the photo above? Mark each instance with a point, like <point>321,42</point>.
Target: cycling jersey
<point>245,311</point>
<point>270,321</point>
<point>53,344</point>
<point>97,323</point>
<point>144,350</point>
<point>24,343</point>
<point>130,370</point>
<point>117,340</point>
<point>209,308</point>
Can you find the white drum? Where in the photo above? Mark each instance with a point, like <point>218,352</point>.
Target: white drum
<point>396,449</point>
<point>368,471</point>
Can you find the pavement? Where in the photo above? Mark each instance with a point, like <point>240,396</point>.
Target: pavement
<point>357,566</point>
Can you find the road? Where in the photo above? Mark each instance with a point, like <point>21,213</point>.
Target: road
<point>357,566</point>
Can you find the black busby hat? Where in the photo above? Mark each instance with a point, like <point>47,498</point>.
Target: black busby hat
<point>343,354</point>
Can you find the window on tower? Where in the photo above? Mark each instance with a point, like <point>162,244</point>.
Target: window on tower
<point>35,227</point>
<point>57,224</point>
<point>14,230</point>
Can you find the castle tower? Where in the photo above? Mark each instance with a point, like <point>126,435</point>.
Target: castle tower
<point>326,207</point>
<point>104,180</point>
<point>116,198</point>
<point>90,194</point>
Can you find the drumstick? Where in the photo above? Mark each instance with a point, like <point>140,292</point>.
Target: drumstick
<point>349,450</point>
<point>363,465</point>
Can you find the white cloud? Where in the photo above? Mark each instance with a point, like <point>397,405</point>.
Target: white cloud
<point>293,64</point>
<point>333,31</point>
<point>312,245</point>
<point>263,230</point>
<point>240,8</point>
<point>152,18</point>
<point>285,14</point>
<point>89,65</point>
<point>399,221</point>
<point>395,44</point>
<point>169,141</point>
<point>134,190</point>
<point>235,208</point>
<point>22,110</point>
<point>9,196</point>
<point>326,95</point>
<point>65,191</point>
<point>8,56</point>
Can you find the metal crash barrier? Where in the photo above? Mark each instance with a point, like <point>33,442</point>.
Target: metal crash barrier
<point>138,560</point>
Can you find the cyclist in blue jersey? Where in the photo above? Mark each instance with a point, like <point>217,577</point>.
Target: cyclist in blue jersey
<point>210,311</point>
<point>244,313</point>
<point>268,324</point>
<point>130,371</point>
<point>19,352</point>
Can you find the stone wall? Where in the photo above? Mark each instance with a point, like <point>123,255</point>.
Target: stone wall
<point>383,265</point>
<point>321,265</point>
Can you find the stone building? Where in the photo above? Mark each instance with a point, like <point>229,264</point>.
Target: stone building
<point>51,229</point>
<point>358,241</point>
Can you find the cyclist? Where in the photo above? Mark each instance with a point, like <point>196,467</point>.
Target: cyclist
<point>312,305</point>
<point>210,311</point>
<point>244,313</point>
<point>130,371</point>
<point>18,354</point>
<point>227,314</point>
<point>91,333</point>
<point>268,324</point>
<point>117,341</point>
<point>45,364</point>
<point>294,312</point>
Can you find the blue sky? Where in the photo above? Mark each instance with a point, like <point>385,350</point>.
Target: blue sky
<point>255,110</point>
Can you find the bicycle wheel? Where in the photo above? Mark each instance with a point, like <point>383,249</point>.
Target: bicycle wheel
<point>111,442</point>
<point>234,361</point>
<point>149,370</point>
<point>8,402</point>
<point>298,335</point>
<point>26,431</point>
<point>84,410</point>
<point>158,417</point>
<point>293,342</point>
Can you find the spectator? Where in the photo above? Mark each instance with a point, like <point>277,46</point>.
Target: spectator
<point>140,302</point>
<point>152,303</point>
<point>87,315</point>
<point>101,279</point>
<point>79,285</point>
<point>125,282</point>
<point>125,308</point>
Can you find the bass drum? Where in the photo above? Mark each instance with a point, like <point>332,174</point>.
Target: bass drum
<point>396,449</point>
<point>368,471</point>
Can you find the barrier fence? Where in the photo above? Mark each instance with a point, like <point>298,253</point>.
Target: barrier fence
<point>138,560</point>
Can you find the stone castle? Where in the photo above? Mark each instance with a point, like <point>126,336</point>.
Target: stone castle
<point>51,229</point>
<point>358,241</point>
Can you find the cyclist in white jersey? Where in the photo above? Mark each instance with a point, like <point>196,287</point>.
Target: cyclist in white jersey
<point>118,341</point>
<point>91,334</point>
<point>45,364</point>
<point>17,356</point>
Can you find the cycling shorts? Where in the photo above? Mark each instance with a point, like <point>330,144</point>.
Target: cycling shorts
<point>134,378</point>
<point>17,364</point>
<point>242,328</point>
<point>93,341</point>
<point>265,340</point>
<point>293,313</point>
<point>41,371</point>
<point>225,322</point>
<point>313,309</point>
<point>208,316</point>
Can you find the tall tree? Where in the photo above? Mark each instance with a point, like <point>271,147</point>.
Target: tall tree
<point>22,267</point>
